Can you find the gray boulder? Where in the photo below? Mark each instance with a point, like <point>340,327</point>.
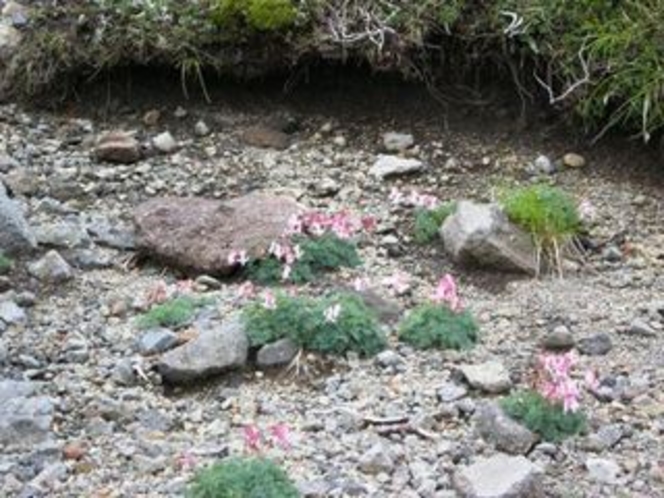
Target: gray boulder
<point>15,233</point>
<point>500,476</point>
<point>481,234</point>
<point>217,348</point>
<point>491,377</point>
<point>51,268</point>
<point>25,419</point>
<point>278,353</point>
<point>199,234</point>
<point>505,434</point>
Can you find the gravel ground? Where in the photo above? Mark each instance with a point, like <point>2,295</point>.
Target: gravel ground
<point>108,439</point>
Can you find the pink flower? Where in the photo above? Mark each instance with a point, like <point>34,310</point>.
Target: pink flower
<point>246,291</point>
<point>369,223</point>
<point>252,438</point>
<point>286,272</point>
<point>396,197</point>
<point>157,294</point>
<point>591,380</point>
<point>238,257</point>
<point>186,461</point>
<point>281,435</point>
<point>446,292</point>
<point>295,225</point>
<point>332,313</point>
<point>558,386</point>
<point>269,300</point>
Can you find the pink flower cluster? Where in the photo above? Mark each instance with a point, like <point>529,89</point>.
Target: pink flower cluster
<point>556,383</point>
<point>446,292</point>
<point>161,292</point>
<point>415,199</point>
<point>278,435</point>
<point>341,223</point>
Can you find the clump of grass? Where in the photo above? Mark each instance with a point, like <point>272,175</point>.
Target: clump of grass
<point>433,325</point>
<point>174,313</point>
<point>548,214</point>
<point>5,264</point>
<point>243,478</point>
<point>547,419</point>
<point>335,324</point>
<point>429,221</point>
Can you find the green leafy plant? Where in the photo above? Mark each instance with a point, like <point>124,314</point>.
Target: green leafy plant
<point>434,326</point>
<point>5,264</point>
<point>261,15</point>
<point>173,313</point>
<point>547,419</point>
<point>334,324</point>
<point>243,478</point>
<point>429,221</point>
<point>318,254</point>
<point>547,213</point>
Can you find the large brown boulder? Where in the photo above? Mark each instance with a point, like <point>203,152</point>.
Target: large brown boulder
<point>198,234</point>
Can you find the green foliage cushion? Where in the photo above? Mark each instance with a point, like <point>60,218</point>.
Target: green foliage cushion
<point>261,15</point>
<point>429,221</point>
<point>303,320</point>
<point>173,314</point>
<point>548,420</point>
<point>243,478</point>
<point>546,212</point>
<point>5,264</point>
<point>319,254</point>
<point>436,326</point>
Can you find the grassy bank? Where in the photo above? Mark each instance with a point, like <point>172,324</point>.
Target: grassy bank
<point>600,61</point>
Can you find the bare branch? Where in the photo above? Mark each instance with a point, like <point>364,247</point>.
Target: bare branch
<point>553,99</point>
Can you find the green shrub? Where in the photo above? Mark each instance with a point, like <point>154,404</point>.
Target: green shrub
<point>436,326</point>
<point>548,420</point>
<point>261,15</point>
<point>243,478</point>
<point>319,254</point>
<point>303,319</point>
<point>429,221</point>
<point>5,264</point>
<point>173,314</point>
<point>547,213</point>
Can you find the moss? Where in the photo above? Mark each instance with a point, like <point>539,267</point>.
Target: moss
<point>436,326</point>
<point>261,15</point>
<point>5,264</point>
<point>174,313</point>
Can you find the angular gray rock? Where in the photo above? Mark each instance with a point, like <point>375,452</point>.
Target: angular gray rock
<point>481,234</point>
<point>500,476</point>
<point>595,345</point>
<point>51,268</point>
<point>278,353</point>
<point>376,460</point>
<point>62,234</point>
<point>15,233</point>
<point>386,166</point>
<point>117,147</point>
<point>397,142</point>
<point>603,470</point>
<point>7,163</point>
<point>491,377</point>
<point>559,339</point>
<point>11,313</point>
<point>165,143</point>
<point>504,433</point>
<point>218,347</point>
<point>156,341</point>
<point>199,234</point>
<point>25,419</point>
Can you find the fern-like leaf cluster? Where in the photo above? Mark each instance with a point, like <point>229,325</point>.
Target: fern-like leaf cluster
<point>435,325</point>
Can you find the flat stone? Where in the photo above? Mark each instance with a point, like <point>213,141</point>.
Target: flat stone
<point>559,339</point>
<point>25,419</point>
<point>641,328</point>
<point>15,233</point>
<point>386,166</point>
<point>573,160</point>
<point>451,392</point>
<point>165,143</point>
<point>397,142</point>
<point>595,345</point>
<point>278,353</point>
<point>11,313</point>
<point>491,377</point>
<point>117,147</point>
<point>603,470</point>
<point>504,433</point>
<point>500,476</point>
<point>51,268</point>
<point>376,460</point>
<point>156,341</point>
<point>62,234</point>
<point>216,349</point>
<point>481,235</point>
<point>389,358</point>
<point>199,234</point>
<point>266,137</point>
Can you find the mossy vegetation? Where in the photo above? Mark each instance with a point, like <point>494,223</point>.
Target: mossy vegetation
<point>333,325</point>
<point>429,221</point>
<point>435,326</point>
<point>243,478</point>
<point>174,313</point>
<point>601,61</point>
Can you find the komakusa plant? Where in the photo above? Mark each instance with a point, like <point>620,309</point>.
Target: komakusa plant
<point>333,324</point>
<point>442,323</point>
<point>430,213</point>
<point>5,264</point>
<point>313,243</point>
<point>552,408</point>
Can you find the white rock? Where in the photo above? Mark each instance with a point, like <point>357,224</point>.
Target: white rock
<point>386,166</point>
<point>164,142</point>
<point>500,476</point>
<point>491,377</point>
<point>603,470</point>
<point>201,129</point>
<point>397,142</point>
